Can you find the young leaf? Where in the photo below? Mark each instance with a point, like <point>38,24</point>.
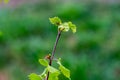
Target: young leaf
<point>53,76</point>
<point>55,20</point>
<point>65,71</point>
<point>72,26</point>
<point>53,70</point>
<point>34,76</point>
<point>43,62</point>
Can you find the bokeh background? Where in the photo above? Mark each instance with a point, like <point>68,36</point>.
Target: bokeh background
<point>92,53</point>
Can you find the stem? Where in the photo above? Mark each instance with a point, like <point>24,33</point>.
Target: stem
<point>53,51</point>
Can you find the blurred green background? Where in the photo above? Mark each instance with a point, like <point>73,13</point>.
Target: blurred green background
<point>92,53</point>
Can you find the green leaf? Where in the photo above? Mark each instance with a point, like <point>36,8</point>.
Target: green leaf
<point>52,69</point>
<point>72,26</point>
<point>34,76</point>
<point>67,26</point>
<point>53,76</point>
<point>64,27</point>
<point>65,71</point>
<point>43,62</point>
<point>55,20</point>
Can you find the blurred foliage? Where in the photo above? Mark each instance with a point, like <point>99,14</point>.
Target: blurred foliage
<point>92,53</point>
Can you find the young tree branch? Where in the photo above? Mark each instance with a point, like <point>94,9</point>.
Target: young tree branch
<point>53,51</point>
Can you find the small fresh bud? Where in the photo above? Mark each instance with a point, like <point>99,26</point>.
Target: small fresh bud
<point>64,27</point>
<point>48,56</point>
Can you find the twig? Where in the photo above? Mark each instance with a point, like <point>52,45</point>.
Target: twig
<point>53,51</point>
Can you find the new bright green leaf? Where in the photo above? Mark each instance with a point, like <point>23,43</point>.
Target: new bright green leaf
<point>65,71</point>
<point>43,62</point>
<point>34,76</point>
<point>64,27</point>
<point>72,26</point>
<point>53,76</point>
<point>67,26</point>
<point>55,20</point>
<point>53,70</point>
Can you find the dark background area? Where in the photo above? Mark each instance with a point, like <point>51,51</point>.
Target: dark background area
<point>92,53</point>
